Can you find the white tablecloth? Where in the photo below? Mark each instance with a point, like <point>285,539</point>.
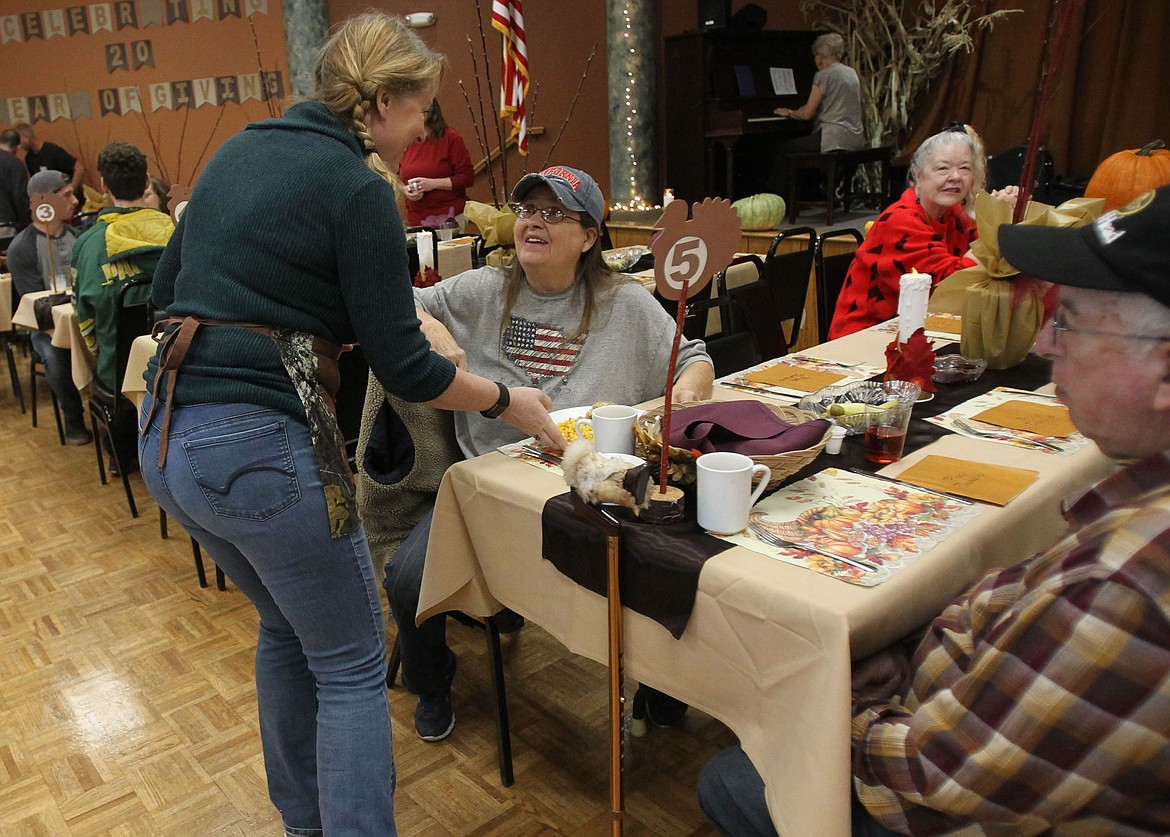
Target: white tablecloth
<point>65,335</point>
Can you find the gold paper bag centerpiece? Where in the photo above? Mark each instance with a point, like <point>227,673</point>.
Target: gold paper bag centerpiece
<point>1003,311</point>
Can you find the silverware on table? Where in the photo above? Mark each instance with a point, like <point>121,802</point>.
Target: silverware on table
<point>962,424</point>
<point>542,454</point>
<point>823,362</point>
<point>897,481</point>
<point>1047,395</point>
<point>775,540</point>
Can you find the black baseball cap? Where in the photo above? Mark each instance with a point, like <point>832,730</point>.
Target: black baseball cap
<point>1126,250</point>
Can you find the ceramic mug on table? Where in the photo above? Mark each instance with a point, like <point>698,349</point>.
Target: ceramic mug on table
<point>613,428</point>
<point>726,492</point>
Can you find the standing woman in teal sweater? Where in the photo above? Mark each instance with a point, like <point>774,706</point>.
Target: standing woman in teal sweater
<point>291,246</point>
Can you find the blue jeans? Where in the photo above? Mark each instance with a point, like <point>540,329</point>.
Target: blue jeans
<point>731,794</point>
<point>423,647</point>
<point>243,481</point>
<point>59,376</point>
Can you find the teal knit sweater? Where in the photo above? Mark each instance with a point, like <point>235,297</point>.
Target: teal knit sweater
<point>287,227</point>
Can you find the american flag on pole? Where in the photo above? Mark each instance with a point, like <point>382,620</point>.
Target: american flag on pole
<point>508,18</point>
<point>541,351</point>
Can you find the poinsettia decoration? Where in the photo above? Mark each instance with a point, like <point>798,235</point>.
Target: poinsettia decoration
<point>426,277</point>
<point>911,361</point>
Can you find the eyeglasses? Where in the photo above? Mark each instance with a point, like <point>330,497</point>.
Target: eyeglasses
<point>1060,326</point>
<point>550,214</point>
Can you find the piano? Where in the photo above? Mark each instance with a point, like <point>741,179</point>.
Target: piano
<point>719,130</point>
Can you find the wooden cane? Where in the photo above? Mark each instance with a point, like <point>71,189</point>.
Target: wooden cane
<point>611,528</point>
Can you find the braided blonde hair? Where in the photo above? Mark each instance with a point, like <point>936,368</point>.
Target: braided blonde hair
<point>369,52</point>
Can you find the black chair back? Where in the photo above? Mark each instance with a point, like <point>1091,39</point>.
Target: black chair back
<point>831,272</point>
<point>787,275</point>
<point>756,304</point>
<point>695,317</point>
<point>135,318</point>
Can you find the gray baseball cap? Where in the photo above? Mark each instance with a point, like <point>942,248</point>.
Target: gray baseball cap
<point>575,189</point>
<point>46,182</point>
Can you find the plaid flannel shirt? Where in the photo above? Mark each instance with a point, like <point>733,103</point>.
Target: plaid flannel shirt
<point>1040,701</point>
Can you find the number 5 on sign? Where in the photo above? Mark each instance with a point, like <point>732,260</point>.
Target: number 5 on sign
<point>687,253</point>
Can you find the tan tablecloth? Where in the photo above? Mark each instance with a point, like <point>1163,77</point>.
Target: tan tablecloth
<point>65,335</point>
<point>768,646</point>
<point>133,385</point>
<point>5,300</point>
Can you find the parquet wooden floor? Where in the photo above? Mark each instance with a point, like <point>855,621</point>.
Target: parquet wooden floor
<point>128,705</point>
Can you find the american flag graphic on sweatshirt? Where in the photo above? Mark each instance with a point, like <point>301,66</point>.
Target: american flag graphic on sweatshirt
<point>542,351</point>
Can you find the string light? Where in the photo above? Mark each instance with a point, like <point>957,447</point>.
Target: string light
<point>636,202</point>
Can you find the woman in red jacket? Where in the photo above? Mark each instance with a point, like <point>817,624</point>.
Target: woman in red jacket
<point>436,172</point>
<point>929,229</point>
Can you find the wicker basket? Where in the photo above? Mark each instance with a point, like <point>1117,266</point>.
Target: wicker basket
<point>648,432</point>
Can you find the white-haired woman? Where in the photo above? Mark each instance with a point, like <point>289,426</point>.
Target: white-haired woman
<point>291,246</point>
<point>929,229</point>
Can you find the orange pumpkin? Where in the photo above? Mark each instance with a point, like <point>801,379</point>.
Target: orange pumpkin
<point>1123,176</point>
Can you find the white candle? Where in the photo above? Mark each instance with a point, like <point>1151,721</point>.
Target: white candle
<point>667,197</point>
<point>912,299</point>
<point>426,249</point>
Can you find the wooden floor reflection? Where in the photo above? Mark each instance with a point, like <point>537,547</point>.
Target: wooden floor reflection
<point>128,704</point>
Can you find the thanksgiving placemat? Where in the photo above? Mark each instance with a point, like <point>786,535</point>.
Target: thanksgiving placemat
<point>1030,417</point>
<point>995,484</point>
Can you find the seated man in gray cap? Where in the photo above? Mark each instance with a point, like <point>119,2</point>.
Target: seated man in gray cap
<point>1039,701</point>
<point>557,320</point>
<point>40,259</point>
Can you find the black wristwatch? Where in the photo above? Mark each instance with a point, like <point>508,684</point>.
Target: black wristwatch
<point>496,410</point>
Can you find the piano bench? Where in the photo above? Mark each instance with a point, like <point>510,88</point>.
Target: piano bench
<point>836,164</point>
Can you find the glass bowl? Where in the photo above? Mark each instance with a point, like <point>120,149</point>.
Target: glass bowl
<point>869,393</point>
<point>956,369</point>
<point>624,258</point>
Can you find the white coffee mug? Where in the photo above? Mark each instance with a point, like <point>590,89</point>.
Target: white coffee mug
<point>613,428</point>
<point>725,490</point>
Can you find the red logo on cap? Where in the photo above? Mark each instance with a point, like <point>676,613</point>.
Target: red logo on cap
<point>563,174</point>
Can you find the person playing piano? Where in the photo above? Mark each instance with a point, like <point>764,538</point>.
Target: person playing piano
<point>834,103</point>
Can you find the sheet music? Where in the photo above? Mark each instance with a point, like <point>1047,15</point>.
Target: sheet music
<point>783,82</point>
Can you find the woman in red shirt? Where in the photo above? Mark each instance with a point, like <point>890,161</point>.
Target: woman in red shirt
<point>436,172</point>
<point>929,229</point>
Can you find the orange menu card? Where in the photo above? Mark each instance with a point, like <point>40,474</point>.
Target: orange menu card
<point>945,325</point>
<point>794,377</point>
<point>996,484</point>
<point>1044,419</point>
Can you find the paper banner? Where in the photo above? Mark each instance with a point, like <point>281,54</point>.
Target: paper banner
<point>202,10</point>
<point>17,110</point>
<point>149,13</point>
<point>253,7</point>
<point>129,100</point>
<point>228,91</point>
<point>177,12</point>
<point>77,20</point>
<point>10,29</point>
<point>30,26</point>
<point>79,105</point>
<point>160,96</point>
<point>248,85</point>
<point>141,54</point>
<point>38,109</point>
<point>204,92</point>
<point>229,7</point>
<point>55,23</point>
<point>59,107</point>
<point>125,15</point>
<point>4,113</point>
<point>100,17</point>
<point>116,57</point>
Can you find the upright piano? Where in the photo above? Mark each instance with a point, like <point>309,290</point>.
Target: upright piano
<point>719,130</point>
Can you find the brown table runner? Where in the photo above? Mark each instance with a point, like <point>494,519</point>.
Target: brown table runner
<point>660,564</point>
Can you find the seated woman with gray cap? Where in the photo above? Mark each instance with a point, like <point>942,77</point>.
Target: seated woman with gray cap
<point>557,320</point>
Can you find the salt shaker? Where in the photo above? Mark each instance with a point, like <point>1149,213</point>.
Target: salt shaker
<point>836,436</point>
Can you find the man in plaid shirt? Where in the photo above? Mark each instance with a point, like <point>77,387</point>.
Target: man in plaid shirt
<point>1039,701</point>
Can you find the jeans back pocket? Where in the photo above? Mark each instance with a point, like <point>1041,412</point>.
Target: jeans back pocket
<point>247,474</point>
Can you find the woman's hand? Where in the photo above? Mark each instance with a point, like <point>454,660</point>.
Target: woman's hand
<point>528,412</point>
<point>1008,194</point>
<point>694,384</point>
<point>441,339</point>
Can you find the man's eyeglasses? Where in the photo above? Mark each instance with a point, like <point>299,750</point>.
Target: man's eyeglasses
<point>550,214</point>
<point>1060,326</point>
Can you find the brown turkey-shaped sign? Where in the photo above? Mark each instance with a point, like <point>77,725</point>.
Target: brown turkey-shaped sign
<point>47,206</point>
<point>177,201</point>
<point>690,252</point>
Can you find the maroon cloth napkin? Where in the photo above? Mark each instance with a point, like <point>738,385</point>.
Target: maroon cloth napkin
<point>746,427</point>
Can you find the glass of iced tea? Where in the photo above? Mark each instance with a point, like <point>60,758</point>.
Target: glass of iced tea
<point>885,430</point>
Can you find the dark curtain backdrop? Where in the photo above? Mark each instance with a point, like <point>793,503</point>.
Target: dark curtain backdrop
<point>1113,88</point>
